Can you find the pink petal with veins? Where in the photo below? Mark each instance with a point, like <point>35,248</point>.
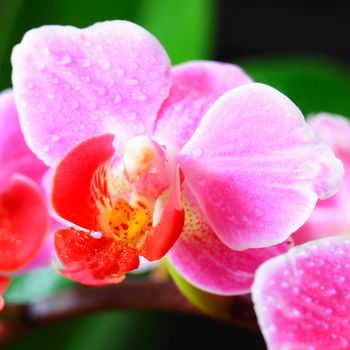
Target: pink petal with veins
<point>195,87</point>
<point>256,168</point>
<point>201,258</point>
<point>72,83</point>
<point>302,298</point>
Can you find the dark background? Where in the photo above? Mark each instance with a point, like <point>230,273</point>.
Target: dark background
<point>247,28</point>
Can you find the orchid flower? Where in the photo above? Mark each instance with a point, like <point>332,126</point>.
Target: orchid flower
<point>302,297</point>
<point>330,216</point>
<point>148,155</point>
<point>24,214</point>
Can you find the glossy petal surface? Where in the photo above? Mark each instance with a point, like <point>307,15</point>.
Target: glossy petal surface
<point>23,222</point>
<point>302,297</point>
<point>15,156</point>
<point>93,261</point>
<point>256,169</point>
<point>331,216</point>
<point>71,84</point>
<point>195,87</point>
<point>72,194</point>
<point>207,263</point>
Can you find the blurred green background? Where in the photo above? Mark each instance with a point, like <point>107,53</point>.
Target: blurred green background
<point>188,30</point>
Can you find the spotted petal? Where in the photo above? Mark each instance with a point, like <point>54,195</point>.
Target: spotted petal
<point>24,222</point>
<point>302,298</point>
<point>195,87</point>
<point>256,168</point>
<point>201,258</point>
<point>71,84</point>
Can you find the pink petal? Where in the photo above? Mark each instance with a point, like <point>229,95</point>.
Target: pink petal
<point>302,298</point>
<point>15,156</point>
<point>255,167</point>
<point>201,258</point>
<point>195,87</point>
<point>71,84</point>
<point>331,216</point>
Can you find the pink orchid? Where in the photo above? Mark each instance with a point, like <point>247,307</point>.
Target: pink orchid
<point>302,298</point>
<point>23,210</point>
<point>331,216</point>
<point>146,152</point>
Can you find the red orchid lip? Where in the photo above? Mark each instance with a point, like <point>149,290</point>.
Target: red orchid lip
<point>82,197</point>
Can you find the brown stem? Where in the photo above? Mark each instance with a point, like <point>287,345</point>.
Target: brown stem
<point>140,294</point>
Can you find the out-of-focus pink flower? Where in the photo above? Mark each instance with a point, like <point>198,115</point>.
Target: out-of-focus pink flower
<point>253,169</point>
<point>331,216</point>
<point>24,215</point>
<point>302,298</point>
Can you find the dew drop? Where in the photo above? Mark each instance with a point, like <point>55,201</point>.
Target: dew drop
<point>39,65</point>
<point>51,95</point>
<point>42,108</point>
<point>91,106</point>
<point>104,63</point>
<point>64,59</point>
<point>117,98</point>
<point>100,90</point>
<point>55,138</point>
<point>131,82</point>
<point>46,148</point>
<point>75,105</point>
<point>96,234</point>
<point>84,62</point>
<point>119,72</point>
<point>138,96</point>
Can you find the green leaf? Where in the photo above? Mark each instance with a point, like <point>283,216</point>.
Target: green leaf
<point>210,304</point>
<point>36,284</point>
<point>314,84</point>
<point>184,27</point>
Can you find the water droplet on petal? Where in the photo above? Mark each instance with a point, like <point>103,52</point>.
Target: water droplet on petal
<point>64,59</point>
<point>104,63</point>
<point>138,96</point>
<point>84,62</point>
<point>130,81</point>
<point>46,148</point>
<point>55,138</point>
<point>100,90</point>
<point>39,65</point>
<point>91,106</point>
<point>119,72</point>
<point>117,98</point>
<point>74,104</point>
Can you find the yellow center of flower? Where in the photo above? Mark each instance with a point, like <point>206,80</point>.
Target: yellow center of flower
<point>127,223</point>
